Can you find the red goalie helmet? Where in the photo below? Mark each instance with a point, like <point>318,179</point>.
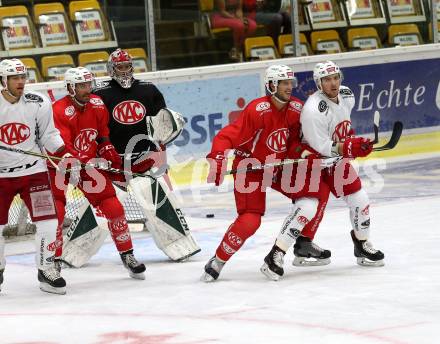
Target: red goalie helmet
<point>120,68</point>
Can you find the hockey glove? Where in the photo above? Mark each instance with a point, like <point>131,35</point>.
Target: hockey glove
<point>107,151</point>
<point>355,147</point>
<point>217,167</point>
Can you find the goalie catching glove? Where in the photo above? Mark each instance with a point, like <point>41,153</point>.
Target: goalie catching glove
<point>165,127</point>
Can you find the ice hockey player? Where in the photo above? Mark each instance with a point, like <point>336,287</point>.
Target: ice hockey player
<point>26,123</point>
<point>263,132</point>
<point>140,128</point>
<point>82,119</point>
<point>326,127</point>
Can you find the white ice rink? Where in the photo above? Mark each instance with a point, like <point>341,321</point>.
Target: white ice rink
<point>339,303</point>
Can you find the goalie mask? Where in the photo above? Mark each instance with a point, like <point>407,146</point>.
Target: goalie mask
<point>324,69</point>
<point>120,68</point>
<point>165,127</point>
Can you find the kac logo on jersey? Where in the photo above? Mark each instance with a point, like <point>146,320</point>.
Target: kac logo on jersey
<point>84,139</point>
<point>341,131</point>
<point>277,140</point>
<point>129,112</point>
<point>14,133</point>
<point>262,106</point>
<point>96,101</point>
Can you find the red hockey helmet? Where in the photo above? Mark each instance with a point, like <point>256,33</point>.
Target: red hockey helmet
<point>120,67</point>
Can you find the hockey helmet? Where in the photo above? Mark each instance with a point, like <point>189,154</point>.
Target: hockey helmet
<point>11,67</point>
<point>77,75</point>
<point>116,59</point>
<point>324,69</point>
<point>276,73</point>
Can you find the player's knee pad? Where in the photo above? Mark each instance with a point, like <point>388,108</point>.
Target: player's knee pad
<point>247,224</point>
<point>359,204</point>
<point>111,208</point>
<point>46,242</point>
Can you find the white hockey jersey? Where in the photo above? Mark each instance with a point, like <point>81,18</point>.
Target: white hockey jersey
<point>19,124</point>
<point>324,122</point>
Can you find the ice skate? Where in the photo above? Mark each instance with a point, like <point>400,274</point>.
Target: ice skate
<point>365,253</point>
<point>212,270</point>
<point>273,264</point>
<point>51,281</point>
<point>307,253</point>
<point>135,269</point>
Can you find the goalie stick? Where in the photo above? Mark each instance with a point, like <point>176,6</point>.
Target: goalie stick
<point>392,142</point>
<point>49,157</point>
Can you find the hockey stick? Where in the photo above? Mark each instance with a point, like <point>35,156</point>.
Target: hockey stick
<point>50,157</point>
<point>395,137</point>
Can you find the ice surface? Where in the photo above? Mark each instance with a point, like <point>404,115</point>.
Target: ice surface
<point>339,303</point>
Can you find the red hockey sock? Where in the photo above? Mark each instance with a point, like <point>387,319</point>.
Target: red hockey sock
<point>244,226</point>
<point>60,206</point>
<point>311,227</point>
<point>117,223</point>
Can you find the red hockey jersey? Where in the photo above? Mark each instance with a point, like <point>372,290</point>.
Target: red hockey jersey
<point>262,130</point>
<point>81,129</point>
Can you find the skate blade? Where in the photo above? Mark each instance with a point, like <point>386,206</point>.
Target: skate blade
<point>366,262</point>
<point>268,273</point>
<point>139,276</point>
<point>49,289</point>
<point>207,278</point>
<point>302,261</point>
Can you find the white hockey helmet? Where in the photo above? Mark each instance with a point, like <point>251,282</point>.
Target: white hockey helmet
<point>323,69</point>
<point>276,73</point>
<point>116,58</point>
<point>11,67</point>
<point>77,75</point>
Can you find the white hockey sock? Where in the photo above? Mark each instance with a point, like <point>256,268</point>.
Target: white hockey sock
<point>2,248</point>
<point>45,242</point>
<point>303,211</point>
<point>359,205</point>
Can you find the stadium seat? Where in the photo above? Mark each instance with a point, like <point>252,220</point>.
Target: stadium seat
<point>53,67</point>
<point>260,48</point>
<point>285,46</point>
<point>404,34</point>
<point>326,42</point>
<point>139,59</point>
<point>95,62</point>
<point>363,38</point>
<point>206,7</point>
<point>90,22</point>
<point>17,29</point>
<point>54,26</point>
<point>33,71</point>
<point>430,30</point>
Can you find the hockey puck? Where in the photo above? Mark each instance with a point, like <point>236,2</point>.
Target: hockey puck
<point>209,215</point>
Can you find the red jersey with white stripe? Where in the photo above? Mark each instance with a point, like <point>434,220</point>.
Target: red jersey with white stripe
<point>262,130</point>
<point>80,129</point>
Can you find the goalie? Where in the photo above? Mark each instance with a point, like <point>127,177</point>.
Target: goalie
<point>140,128</point>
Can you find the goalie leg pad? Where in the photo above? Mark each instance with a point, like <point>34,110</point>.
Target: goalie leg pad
<point>166,221</point>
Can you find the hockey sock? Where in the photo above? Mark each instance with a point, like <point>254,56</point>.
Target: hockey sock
<point>2,248</point>
<point>60,206</point>
<point>303,211</point>
<point>117,223</point>
<point>243,227</point>
<point>46,243</point>
<point>311,227</point>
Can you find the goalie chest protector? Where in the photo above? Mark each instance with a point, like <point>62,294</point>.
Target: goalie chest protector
<point>128,108</point>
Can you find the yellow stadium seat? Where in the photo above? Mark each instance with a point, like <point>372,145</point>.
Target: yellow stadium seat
<point>95,62</point>
<point>363,38</point>
<point>53,67</point>
<point>260,48</point>
<point>404,34</point>
<point>326,42</point>
<point>139,59</point>
<point>54,26</point>
<point>285,45</point>
<point>90,22</point>
<point>33,71</point>
<point>17,29</point>
<point>206,7</point>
